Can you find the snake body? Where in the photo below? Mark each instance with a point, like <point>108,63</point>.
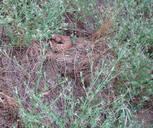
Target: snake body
<point>61,43</point>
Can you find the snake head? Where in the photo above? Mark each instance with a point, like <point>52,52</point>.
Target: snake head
<point>57,38</point>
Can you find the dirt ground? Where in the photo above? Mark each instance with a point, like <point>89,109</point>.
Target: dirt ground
<point>55,64</point>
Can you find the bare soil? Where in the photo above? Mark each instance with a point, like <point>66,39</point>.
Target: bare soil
<point>19,69</point>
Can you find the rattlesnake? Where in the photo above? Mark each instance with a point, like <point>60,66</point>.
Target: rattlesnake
<point>61,43</point>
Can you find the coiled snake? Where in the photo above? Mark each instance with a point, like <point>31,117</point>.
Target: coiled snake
<point>61,43</point>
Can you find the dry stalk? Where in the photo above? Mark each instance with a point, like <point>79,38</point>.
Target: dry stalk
<point>103,30</point>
